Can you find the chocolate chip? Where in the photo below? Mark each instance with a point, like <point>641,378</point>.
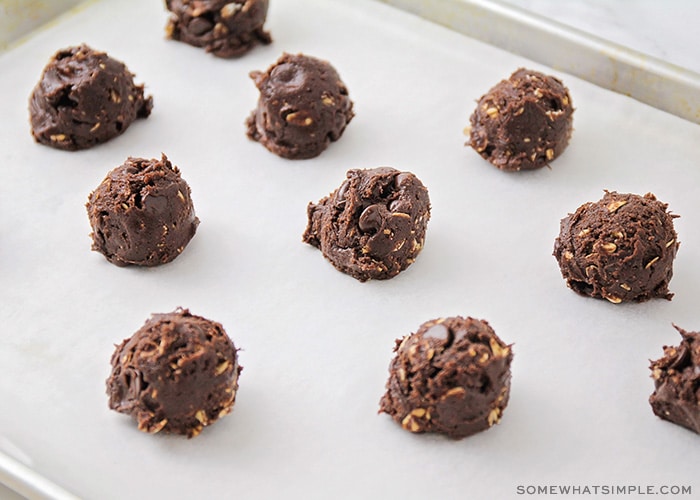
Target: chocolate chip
<point>199,25</point>
<point>370,219</point>
<point>288,76</point>
<point>342,191</point>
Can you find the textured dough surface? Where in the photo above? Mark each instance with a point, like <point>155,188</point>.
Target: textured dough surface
<point>522,123</point>
<point>142,213</point>
<point>303,107</point>
<point>224,28</point>
<point>620,248</point>
<point>373,226</point>
<point>451,377</point>
<point>676,375</point>
<point>176,374</point>
<point>84,98</point>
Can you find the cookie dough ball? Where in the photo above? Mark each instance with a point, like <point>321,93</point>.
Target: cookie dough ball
<point>373,226</point>
<point>676,397</point>
<point>522,123</point>
<point>176,374</point>
<point>142,213</point>
<point>84,98</point>
<point>225,28</point>
<point>451,377</point>
<point>303,107</point>
<point>620,248</point>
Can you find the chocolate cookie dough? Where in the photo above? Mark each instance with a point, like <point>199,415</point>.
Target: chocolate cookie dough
<point>522,123</point>
<point>84,98</point>
<point>142,213</point>
<point>303,107</point>
<point>451,377</point>
<point>176,374</point>
<point>225,28</point>
<point>620,248</point>
<point>373,226</point>
<point>676,397</point>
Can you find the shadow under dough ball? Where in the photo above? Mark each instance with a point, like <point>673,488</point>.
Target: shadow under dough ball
<point>373,226</point>
<point>522,123</point>
<point>84,98</point>
<point>303,107</point>
<point>450,377</point>
<point>676,375</point>
<point>142,213</point>
<point>176,374</point>
<point>620,248</point>
<point>225,28</point>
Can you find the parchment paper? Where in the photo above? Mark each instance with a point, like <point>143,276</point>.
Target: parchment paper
<point>316,344</point>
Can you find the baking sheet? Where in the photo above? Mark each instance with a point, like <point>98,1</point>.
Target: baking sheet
<point>316,343</point>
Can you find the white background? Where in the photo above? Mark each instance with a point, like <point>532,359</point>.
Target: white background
<point>315,343</point>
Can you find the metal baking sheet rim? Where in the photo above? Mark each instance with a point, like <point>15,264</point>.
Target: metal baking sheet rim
<point>647,79</point>
<point>27,482</point>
